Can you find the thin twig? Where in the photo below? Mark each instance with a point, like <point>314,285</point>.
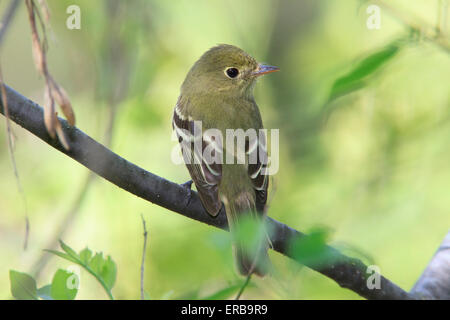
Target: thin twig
<point>9,137</point>
<point>241,291</point>
<point>27,226</point>
<point>54,93</point>
<point>45,10</point>
<point>426,30</point>
<point>143,258</point>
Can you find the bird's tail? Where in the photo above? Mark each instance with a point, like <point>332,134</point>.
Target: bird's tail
<point>250,239</point>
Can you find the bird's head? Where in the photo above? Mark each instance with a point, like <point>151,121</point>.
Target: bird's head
<point>224,69</point>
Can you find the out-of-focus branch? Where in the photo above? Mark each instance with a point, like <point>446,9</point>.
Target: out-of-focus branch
<point>116,91</point>
<point>44,257</point>
<point>7,18</point>
<point>435,35</point>
<point>348,272</point>
<point>435,280</point>
<point>5,23</point>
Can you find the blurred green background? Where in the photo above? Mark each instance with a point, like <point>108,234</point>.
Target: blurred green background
<point>372,166</point>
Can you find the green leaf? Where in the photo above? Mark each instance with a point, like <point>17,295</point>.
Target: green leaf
<point>63,255</point>
<point>312,250</point>
<point>97,262</point>
<point>23,286</point>
<point>104,270</point>
<point>109,272</point>
<point>85,255</point>
<point>355,252</point>
<point>64,285</point>
<point>190,295</point>
<point>249,233</point>
<point>355,79</point>
<point>45,292</point>
<point>68,250</point>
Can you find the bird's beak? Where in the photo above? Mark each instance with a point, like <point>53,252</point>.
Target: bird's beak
<point>264,69</point>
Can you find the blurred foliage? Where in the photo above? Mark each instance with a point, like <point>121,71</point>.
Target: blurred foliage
<point>312,250</point>
<point>104,270</point>
<point>355,79</point>
<point>23,286</point>
<point>371,165</point>
<point>59,289</point>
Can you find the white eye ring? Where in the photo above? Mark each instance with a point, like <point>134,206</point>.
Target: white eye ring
<point>231,72</point>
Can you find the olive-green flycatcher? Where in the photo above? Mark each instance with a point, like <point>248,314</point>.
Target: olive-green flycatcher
<point>218,94</point>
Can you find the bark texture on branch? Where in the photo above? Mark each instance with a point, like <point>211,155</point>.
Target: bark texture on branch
<point>348,272</point>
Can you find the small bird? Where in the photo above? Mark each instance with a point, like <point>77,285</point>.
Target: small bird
<point>218,94</point>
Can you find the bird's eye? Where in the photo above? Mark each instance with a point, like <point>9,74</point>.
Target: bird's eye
<point>232,72</point>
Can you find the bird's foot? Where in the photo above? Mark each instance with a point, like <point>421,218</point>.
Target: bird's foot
<point>188,185</point>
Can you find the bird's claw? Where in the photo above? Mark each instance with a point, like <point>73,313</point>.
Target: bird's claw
<point>188,185</point>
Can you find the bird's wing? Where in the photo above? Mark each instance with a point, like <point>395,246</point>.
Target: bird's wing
<point>256,172</point>
<point>205,175</point>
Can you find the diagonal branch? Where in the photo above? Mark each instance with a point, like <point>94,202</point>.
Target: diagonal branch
<point>348,272</point>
